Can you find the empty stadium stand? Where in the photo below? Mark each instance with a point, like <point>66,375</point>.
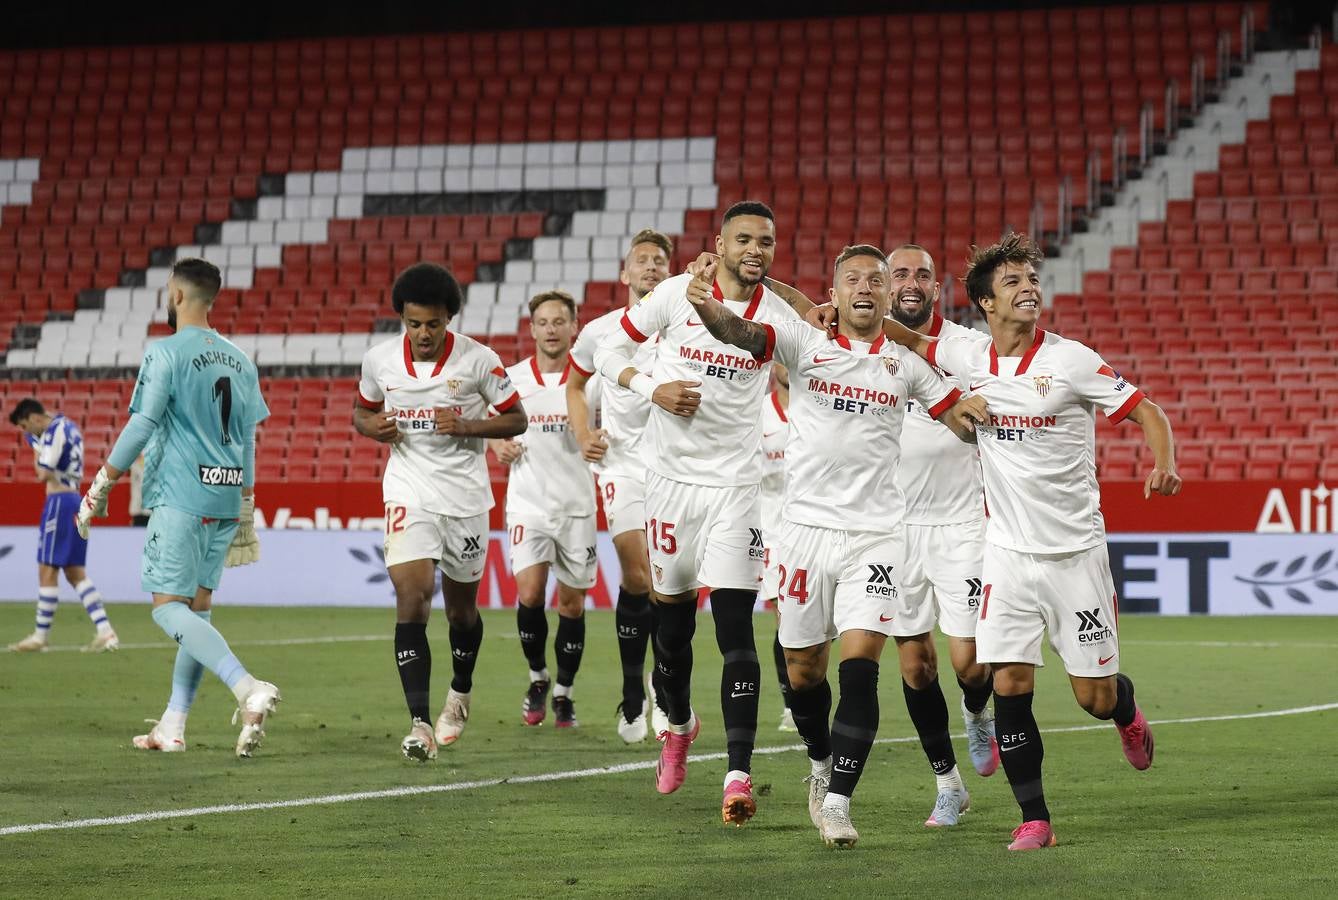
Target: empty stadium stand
<point>311,171</point>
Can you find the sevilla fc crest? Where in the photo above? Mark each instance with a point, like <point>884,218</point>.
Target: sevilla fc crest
<point>1043,383</point>
<point>453,387</point>
<point>659,572</point>
<point>891,363</point>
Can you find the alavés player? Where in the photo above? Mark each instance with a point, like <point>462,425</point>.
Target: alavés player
<point>58,457</point>
<point>193,414</point>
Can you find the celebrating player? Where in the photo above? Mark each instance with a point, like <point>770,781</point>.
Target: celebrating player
<point>1046,566</point>
<point>703,459</point>
<point>426,394</point>
<point>613,452</point>
<point>58,457</point>
<point>840,549</point>
<point>550,511</point>
<point>195,407</point>
<point>939,476</point>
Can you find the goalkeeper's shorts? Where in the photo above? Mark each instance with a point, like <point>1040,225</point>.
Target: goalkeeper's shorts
<point>184,552</point>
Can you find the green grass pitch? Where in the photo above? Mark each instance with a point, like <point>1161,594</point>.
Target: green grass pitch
<point>1235,807</point>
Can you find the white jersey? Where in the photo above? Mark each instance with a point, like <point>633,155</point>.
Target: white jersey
<point>775,434</point>
<point>550,478</point>
<point>623,412</point>
<point>434,472</point>
<point>1038,450</point>
<point>720,445</point>
<point>939,474</point>
<point>847,402</point>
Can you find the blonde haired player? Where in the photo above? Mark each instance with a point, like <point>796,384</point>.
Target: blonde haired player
<point>613,451</point>
<point>550,512</point>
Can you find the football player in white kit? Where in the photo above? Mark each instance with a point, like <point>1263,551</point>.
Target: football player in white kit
<point>550,511</point>
<point>840,548</point>
<point>702,453</point>
<point>775,433</point>
<point>613,452</point>
<point>1046,566</point>
<point>426,393</point>
<point>939,477</point>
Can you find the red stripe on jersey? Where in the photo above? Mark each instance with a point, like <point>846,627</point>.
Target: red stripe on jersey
<point>631,330</point>
<point>539,376</point>
<point>931,355</point>
<point>571,361</point>
<point>408,357</point>
<point>1026,357</point>
<point>1107,371</point>
<point>445,354</point>
<point>508,402</point>
<point>753,302</point>
<point>770,348</point>
<point>1127,407</point>
<point>844,342</point>
<point>780,410</point>
<point>937,409</point>
<point>878,344</point>
<point>935,325</point>
<point>498,371</point>
<point>365,403</point>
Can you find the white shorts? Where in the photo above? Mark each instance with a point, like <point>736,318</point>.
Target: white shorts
<point>770,574</point>
<point>1071,594</point>
<point>458,546</point>
<point>835,581</point>
<point>701,535</point>
<point>943,567</point>
<point>624,499</point>
<point>567,543</point>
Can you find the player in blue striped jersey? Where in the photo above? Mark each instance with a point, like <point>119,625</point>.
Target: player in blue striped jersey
<point>193,413</point>
<point>58,457</point>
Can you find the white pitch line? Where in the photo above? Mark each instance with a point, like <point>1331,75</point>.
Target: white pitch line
<point>1231,645</point>
<point>568,775</point>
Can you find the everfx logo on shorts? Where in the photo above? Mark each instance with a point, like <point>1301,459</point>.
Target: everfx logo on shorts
<point>882,582</point>
<point>756,547</point>
<point>1090,629</point>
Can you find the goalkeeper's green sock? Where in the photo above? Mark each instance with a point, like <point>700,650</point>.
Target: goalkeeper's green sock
<point>202,641</point>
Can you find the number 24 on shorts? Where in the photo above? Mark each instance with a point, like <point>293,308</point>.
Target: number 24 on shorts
<point>797,584</point>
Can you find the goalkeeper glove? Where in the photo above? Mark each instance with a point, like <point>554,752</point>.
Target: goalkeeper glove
<point>245,546</point>
<point>94,502</point>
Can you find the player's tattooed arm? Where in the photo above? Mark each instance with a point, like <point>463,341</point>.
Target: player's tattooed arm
<point>723,324</point>
<point>798,301</point>
<point>1163,478</point>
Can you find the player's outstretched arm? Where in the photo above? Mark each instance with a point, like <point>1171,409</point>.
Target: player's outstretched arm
<point>795,298</point>
<point>126,450</point>
<point>593,442</point>
<point>723,324</point>
<point>1157,432</point>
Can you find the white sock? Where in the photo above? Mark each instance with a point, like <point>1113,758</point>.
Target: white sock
<point>562,690</point>
<point>821,767</point>
<point>173,722</point>
<point>541,675</point>
<point>837,803</point>
<point>686,727</point>
<point>950,780</point>
<point>242,688</point>
<point>735,775</point>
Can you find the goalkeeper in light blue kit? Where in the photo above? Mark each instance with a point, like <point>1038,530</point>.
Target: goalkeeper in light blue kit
<point>193,413</point>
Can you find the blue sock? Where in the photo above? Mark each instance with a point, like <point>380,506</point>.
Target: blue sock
<point>47,598</point>
<point>201,640</point>
<point>186,675</point>
<point>92,601</point>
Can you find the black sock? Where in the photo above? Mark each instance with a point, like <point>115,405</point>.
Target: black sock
<point>929,715</point>
<point>634,621</point>
<point>465,644</point>
<point>532,623</point>
<point>740,674</point>
<point>1021,749</point>
<point>812,710</point>
<point>676,623</point>
<point>414,658</point>
<point>568,647</point>
<point>783,675</point>
<point>975,698</point>
<point>856,724</point>
<point>1125,709</point>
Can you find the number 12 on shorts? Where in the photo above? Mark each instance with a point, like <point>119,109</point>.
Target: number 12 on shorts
<point>796,585</point>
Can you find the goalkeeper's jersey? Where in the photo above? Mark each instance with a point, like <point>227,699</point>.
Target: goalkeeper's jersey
<point>203,395</point>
